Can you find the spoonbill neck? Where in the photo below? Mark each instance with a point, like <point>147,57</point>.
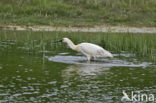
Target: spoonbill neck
<point>71,44</point>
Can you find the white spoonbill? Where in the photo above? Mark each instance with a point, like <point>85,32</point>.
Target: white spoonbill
<point>88,49</point>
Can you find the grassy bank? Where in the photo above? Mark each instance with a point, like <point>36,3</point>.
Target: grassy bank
<point>78,13</point>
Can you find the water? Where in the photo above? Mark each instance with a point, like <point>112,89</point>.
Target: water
<point>32,71</point>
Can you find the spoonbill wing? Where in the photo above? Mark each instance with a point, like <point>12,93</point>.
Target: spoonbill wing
<point>94,50</point>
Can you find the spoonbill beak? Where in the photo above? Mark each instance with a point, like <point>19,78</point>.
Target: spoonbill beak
<point>54,42</point>
<point>58,41</point>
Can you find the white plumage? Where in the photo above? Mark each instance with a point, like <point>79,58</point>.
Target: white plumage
<point>88,49</point>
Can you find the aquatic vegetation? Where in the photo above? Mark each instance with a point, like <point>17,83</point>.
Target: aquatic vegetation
<point>142,45</point>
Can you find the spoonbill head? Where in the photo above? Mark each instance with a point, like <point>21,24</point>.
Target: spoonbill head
<point>88,49</point>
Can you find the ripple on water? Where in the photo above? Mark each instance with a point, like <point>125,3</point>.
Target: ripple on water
<point>1,86</point>
<point>53,82</point>
<point>104,62</point>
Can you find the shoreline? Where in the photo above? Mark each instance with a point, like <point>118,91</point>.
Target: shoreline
<point>113,29</point>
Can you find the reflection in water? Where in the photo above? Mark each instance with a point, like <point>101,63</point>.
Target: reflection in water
<point>83,70</point>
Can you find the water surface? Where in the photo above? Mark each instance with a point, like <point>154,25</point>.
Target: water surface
<point>33,70</point>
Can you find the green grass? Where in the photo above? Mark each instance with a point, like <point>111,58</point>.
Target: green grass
<point>78,12</point>
<point>142,45</point>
